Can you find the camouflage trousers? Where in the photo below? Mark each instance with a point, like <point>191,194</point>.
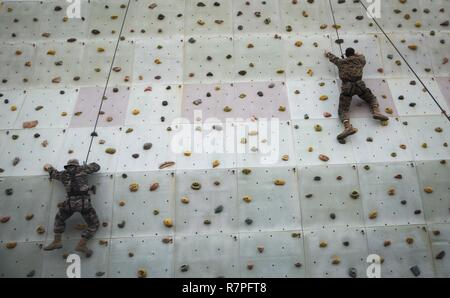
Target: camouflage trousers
<point>350,89</point>
<point>81,204</point>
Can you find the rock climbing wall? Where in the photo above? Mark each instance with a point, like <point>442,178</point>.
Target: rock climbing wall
<point>284,198</point>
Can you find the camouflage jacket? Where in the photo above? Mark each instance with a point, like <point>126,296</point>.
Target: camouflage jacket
<point>351,68</point>
<point>76,181</point>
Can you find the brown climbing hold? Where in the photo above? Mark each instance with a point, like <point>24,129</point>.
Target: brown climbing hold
<point>134,187</point>
<point>335,260</point>
<point>298,44</point>
<point>250,265</point>
<point>142,273</point>
<point>166,164</point>
<point>246,171</point>
<point>185,200</point>
<point>354,195</point>
<point>373,214</point>
<point>323,244</point>
<point>324,158</point>
<point>167,240</point>
<point>428,190</point>
<point>196,186</point>
<point>279,182</point>
<point>215,163</point>
<point>168,222</point>
<point>30,124</point>
<point>247,199</point>
<point>40,230</point>
<point>154,186</point>
<point>11,245</point>
<point>5,219</point>
<point>391,192</point>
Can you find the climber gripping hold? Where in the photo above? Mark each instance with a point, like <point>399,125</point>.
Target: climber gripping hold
<point>75,180</point>
<point>351,73</point>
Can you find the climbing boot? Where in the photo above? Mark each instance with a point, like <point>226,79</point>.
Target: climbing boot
<point>349,131</point>
<point>82,247</point>
<point>56,244</point>
<point>377,114</point>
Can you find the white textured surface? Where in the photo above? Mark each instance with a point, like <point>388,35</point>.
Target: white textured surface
<point>159,71</point>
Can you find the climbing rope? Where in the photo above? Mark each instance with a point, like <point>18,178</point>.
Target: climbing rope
<point>337,30</point>
<point>407,63</point>
<point>94,132</point>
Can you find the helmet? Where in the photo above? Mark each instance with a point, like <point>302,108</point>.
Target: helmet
<point>72,162</point>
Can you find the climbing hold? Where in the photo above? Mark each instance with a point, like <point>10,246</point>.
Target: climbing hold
<point>279,182</point>
<point>166,164</point>
<point>196,186</point>
<point>323,244</point>
<point>154,186</point>
<point>428,190</point>
<point>110,150</point>
<point>218,209</point>
<point>121,224</point>
<point>324,158</point>
<point>11,245</point>
<point>133,187</point>
<point>373,214</point>
<point>142,273</point>
<point>247,199</point>
<point>354,195</point>
<point>30,124</point>
<point>335,260</point>
<point>168,222</point>
<point>4,219</point>
<point>40,230</point>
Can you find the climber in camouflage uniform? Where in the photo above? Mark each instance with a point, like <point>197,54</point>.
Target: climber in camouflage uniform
<point>351,73</point>
<point>75,180</point>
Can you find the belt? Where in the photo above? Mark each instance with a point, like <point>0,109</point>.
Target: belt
<point>353,82</point>
<point>78,194</point>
